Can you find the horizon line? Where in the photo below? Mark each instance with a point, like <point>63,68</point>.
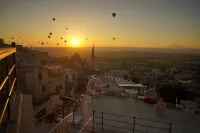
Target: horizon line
<point>115,47</point>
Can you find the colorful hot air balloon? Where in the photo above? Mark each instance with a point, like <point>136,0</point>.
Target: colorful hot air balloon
<point>54,19</point>
<point>49,37</point>
<point>113,14</point>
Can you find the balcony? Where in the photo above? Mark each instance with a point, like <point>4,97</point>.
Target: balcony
<point>10,97</point>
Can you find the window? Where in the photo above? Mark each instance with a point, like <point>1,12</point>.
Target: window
<point>43,88</point>
<point>40,76</point>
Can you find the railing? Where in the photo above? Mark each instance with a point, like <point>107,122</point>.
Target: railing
<point>87,127</point>
<point>7,91</point>
<point>131,123</point>
<point>63,125</point>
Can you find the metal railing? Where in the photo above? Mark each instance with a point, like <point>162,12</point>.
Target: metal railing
<point>63,125</point>
<point>8,86</point>
<point>132,123</point>
<point>87,127</point>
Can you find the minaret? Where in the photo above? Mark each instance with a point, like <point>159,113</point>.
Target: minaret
<point>93,57</point>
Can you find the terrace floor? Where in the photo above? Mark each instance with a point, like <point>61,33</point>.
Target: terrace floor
<point>182,122</point>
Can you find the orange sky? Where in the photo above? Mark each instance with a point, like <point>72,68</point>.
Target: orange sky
<point>137,23</point>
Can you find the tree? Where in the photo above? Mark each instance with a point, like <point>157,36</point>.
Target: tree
<point>170,92</point>
<point>76,58</point>
<point>125,77</point>
<point>135,80</point>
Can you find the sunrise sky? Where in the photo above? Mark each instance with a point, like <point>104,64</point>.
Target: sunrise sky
<point>138,23</point>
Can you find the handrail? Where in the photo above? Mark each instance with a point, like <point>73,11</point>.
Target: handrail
<point>134,123</point>
<point>52,130</point>
<point>4,81</point>
<point>11,89</point>
<point>4,109</point>
<point>11,69</point>
<point>85,124</point>
<point>5,52</point>
<point>133,117</point>
<point>6,78</point>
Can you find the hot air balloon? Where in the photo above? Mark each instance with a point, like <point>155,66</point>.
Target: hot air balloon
<point>49,37</point>
<point>54,19</point>
<point>19,36</point>
<point>113,14</point>
<point>57,43</point>
<point>66,28</point>
<point>113,38</point>
<point>50,33</point>
<point>61,38</point>
<point>65,41</point>
<point>38,42</point>
<point>42,43</point>
<point>12,38</point>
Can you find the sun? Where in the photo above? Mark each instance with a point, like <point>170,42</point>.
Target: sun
<point>75,43</point>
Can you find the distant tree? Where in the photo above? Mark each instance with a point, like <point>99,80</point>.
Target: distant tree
<point>135,80</point>
<point>76,58</point>
<point>170,92</point>
<point>125,77</point>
